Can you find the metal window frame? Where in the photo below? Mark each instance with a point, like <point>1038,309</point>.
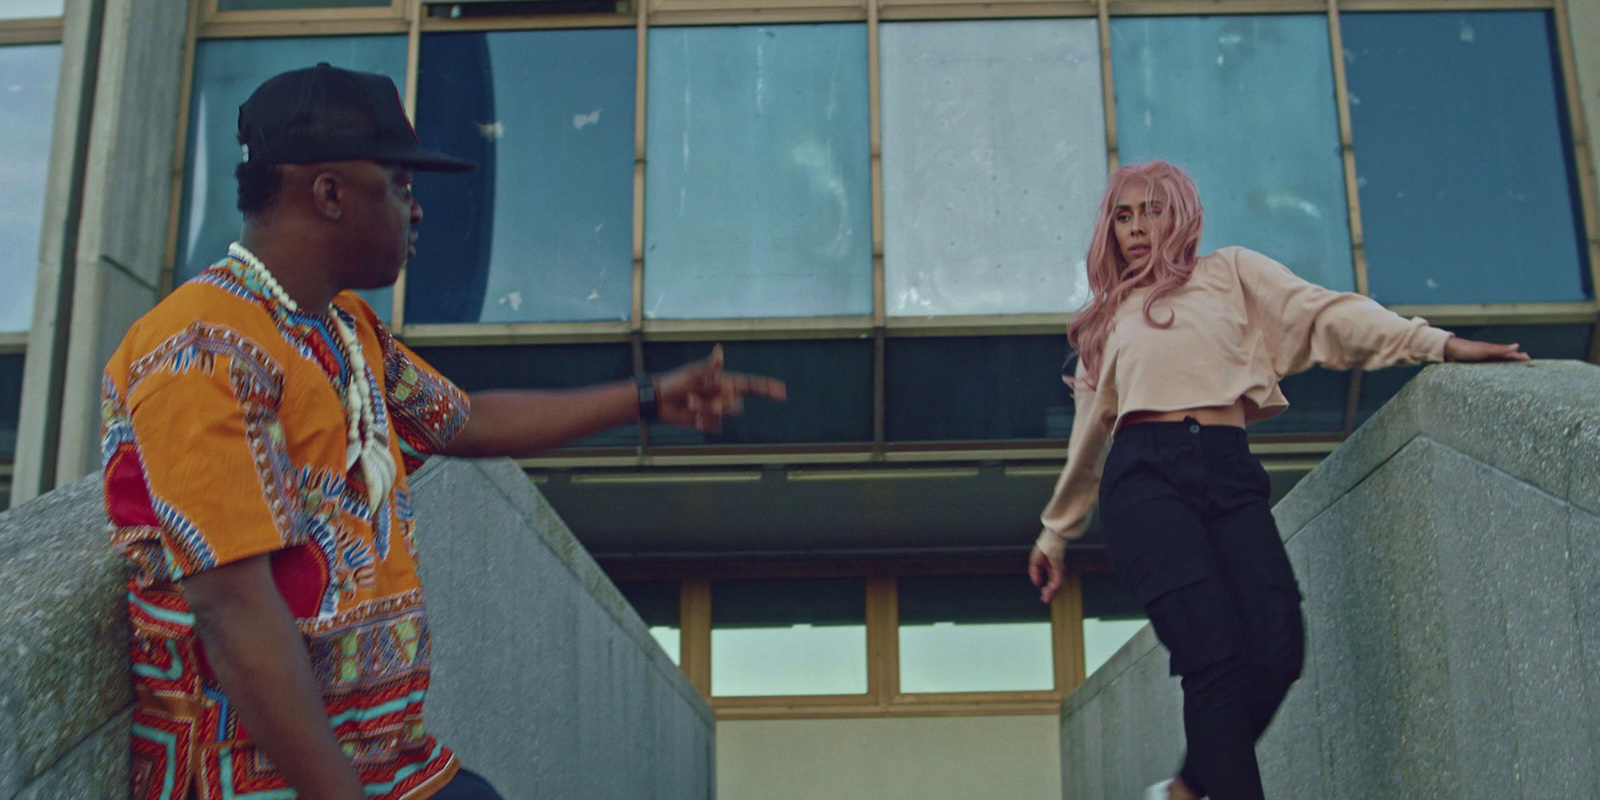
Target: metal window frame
<point>407,17</point>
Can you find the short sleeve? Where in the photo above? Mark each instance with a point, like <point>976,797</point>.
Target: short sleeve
<point>196,473</point>
<point>425,408</point>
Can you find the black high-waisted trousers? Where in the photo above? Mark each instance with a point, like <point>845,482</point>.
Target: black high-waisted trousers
<point>1184,511</point>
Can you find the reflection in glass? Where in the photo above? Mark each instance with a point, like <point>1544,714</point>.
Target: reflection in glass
<point>657,603</point>
<point>28,77</point>
<point>994,159</point>
<point>1245,104</point>
<point>1111,616</point>
<point>1467,192</point>
<point>974,633</point>
<point>1006,387</point>
<point>31,9</point>
<point>757,180</point>
<point>226,71</point>
<point>273,5</point>
<point>788,637</point>
<point>1317,400</point>
<point>542,231</point>
<point>10,403</point>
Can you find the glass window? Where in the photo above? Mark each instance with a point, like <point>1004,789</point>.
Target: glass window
<point>28,77</point>
<point>542,231</point>
<point>830,391</point>
<point>1539,341</point>
<point>757,182</point>
<point>1111,616</point>
<point>788,637</point>
<point>994,160</point>
<point>1246,105</point>
<point>10,403</point>
<point>974,633</point>
<point>274,5</point>
<point>1317,401</point>
<point>1462,143</point>
<point>226,71</point>
<point>657,603</point>
<point>540,367</point>
<point>975,387</point>
<point>31,9</point>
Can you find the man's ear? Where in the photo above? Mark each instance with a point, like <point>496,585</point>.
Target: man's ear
<point>327,195</point>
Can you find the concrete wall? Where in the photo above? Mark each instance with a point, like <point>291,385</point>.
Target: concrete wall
<point>545,680</point>
<point>1450,557</point>
<point>911,758</point>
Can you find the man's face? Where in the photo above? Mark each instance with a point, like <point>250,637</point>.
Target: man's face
<point>381,217</point>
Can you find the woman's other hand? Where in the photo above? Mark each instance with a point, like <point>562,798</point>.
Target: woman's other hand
<point>1459,349</point>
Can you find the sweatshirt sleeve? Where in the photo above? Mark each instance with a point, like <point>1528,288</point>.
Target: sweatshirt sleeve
<point>1304,324</point>
<point>1079,485</point>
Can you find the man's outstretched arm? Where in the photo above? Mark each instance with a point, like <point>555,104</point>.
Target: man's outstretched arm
<point>260,659</point>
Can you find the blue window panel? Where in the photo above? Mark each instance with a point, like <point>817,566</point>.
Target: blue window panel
<point>1462,145</point>
<point>28,78</point>
<point>542,231</point>
<point>1246,105</point>
<point>31,9</point>
<point>226,71</point>
<point>757,180</point>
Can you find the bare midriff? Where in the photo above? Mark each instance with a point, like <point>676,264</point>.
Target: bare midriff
<point>1205,415</point>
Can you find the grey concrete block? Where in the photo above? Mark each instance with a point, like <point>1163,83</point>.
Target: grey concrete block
<point>1584,569</point>
<point>1293,763</point>
<point>97,769</point>
<point>545,680</point>
<point>64,641</point>
<point>1583,490</point>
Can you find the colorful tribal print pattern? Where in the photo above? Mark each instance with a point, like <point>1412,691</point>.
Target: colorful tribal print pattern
<point>223,439</point>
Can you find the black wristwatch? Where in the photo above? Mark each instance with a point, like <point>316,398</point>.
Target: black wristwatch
<point>649,411</point>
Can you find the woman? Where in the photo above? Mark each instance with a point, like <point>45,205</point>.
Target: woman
<point>1176,355</point>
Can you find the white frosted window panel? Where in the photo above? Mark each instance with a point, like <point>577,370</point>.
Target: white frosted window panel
<point>31,9</point>
<point>994,159</point>
<point>28,77</point>
<point>796,660</point>
<point>226,71</point>
<point>1102,638</point>
<point>1246,105</point>
<point>757,178</point>
<point>968,657</point>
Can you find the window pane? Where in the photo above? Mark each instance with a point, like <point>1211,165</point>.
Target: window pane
<point>657,604</point>
<point>1245,104</point>
<point>542,231</point>
<point>974,633</point>
<point>29,75</point>
<point>830,391</point>
<point>987,210</point>
<point>540,367</point>
<point>31,9</point>
<point>1461,144</point>
<point>1317,400</point>
<point>1111,616</point>
<point>226,71</point>
<point>270,5</point>
<point>10,403</point>
<point>990,387</point>
<point>757,181</point>
<point>788,637</point>
<point>1539,341</point>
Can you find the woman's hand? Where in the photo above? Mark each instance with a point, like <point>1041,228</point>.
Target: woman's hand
<point>1041,566</point>
<point>1459,349</point>
<point>699,394</point>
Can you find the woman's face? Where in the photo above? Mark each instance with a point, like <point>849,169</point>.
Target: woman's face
<point>1134,219</point>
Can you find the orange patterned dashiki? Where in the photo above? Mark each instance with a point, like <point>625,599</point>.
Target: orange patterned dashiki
<point>224,437</point>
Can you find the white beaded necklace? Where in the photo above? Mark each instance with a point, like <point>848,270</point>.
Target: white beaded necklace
<point>365,439</point>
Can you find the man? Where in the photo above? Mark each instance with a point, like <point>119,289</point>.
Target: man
<point>259,428</point>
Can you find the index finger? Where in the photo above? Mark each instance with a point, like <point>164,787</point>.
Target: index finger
<point>758,385</point>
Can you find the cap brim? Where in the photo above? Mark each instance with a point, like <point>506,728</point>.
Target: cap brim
<point>424,160</point>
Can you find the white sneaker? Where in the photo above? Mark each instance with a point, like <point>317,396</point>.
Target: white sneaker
<point>1158,791</point>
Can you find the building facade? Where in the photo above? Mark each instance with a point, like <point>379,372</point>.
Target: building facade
<point>885,203</point>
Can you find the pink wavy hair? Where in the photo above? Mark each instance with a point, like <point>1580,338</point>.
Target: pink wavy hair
<point>1173,249</point>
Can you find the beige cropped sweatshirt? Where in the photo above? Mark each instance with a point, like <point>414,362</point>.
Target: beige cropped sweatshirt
<point>1241,323</point>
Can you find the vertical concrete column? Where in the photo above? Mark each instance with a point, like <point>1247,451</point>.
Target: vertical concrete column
<point>47,339</point>
<point>1583,17</point>
<point>126,203</point>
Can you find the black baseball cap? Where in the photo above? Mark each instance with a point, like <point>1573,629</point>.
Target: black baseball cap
<point>324,113</point>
